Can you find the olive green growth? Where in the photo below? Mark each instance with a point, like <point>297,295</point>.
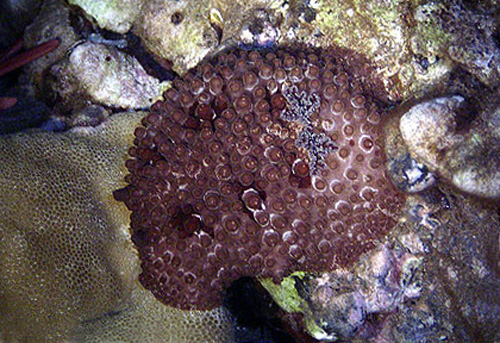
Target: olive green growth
<point>430,37</point>
<point>287,296</point>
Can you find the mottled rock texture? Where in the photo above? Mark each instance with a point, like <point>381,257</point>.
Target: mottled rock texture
<point>466,155</point>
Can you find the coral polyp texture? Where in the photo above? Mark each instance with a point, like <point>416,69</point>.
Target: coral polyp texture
<point>258,163</point>
<point>68,270</point>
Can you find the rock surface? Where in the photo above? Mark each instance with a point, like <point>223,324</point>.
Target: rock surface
<point>467,157</point>
<point>103,75</point>
<point>117,16</point>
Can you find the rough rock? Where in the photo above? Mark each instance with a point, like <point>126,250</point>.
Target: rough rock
<point>117,16</point>
<point>104,75</point>
<point>468,157</point>
<point>460,32</point>
<point>337,305</point>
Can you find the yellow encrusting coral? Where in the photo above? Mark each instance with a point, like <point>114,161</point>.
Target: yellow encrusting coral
<point>146,320</point>
<point>67,266</point>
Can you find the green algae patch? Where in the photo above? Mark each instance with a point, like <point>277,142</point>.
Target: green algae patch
<point>285,294</point>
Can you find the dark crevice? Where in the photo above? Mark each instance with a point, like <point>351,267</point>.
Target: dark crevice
<point>258,318</point>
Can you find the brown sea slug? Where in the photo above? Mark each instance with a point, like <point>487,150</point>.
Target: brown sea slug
<point>258,163</point>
